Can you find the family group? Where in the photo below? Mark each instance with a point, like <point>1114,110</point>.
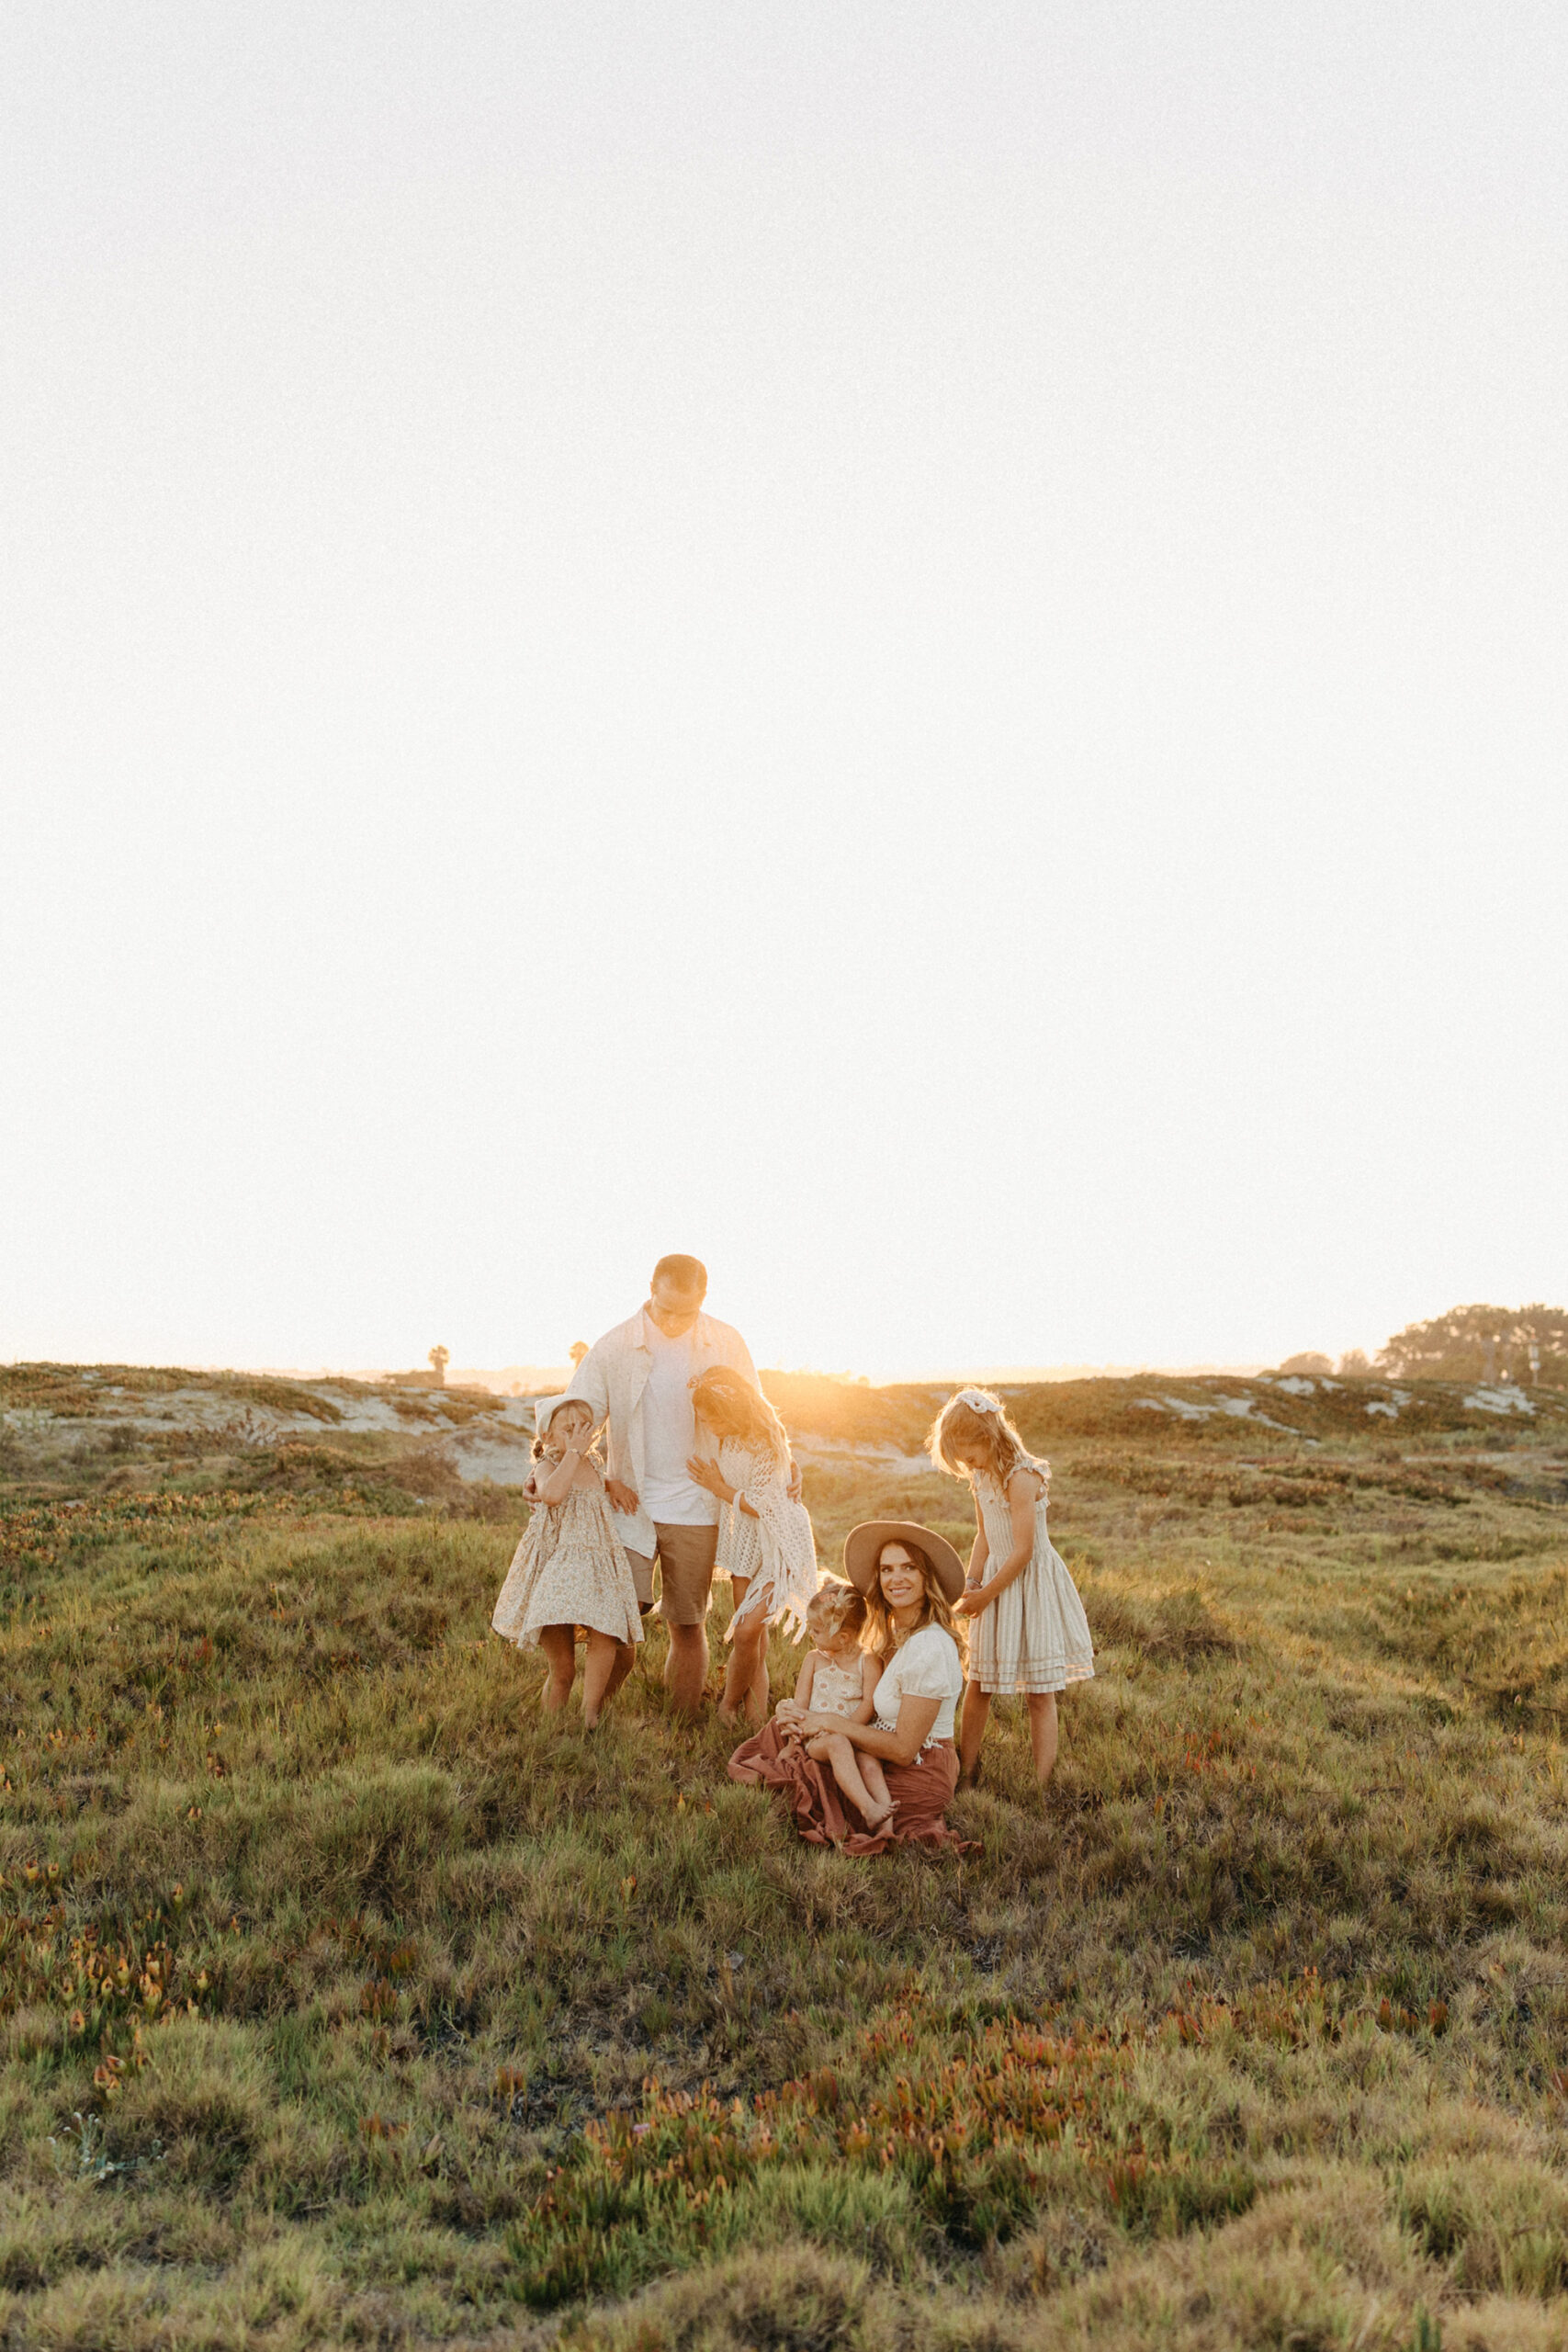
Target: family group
<point>664,1453</point>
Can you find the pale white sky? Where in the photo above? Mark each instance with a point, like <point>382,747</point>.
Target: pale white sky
<point>918,648</point>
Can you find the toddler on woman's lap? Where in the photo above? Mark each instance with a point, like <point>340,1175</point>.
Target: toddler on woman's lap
<point>839,1679</point>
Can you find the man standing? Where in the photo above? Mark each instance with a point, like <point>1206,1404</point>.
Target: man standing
<point>639,1376</point>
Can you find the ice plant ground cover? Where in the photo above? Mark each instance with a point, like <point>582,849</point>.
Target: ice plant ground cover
<point>344,2001</point>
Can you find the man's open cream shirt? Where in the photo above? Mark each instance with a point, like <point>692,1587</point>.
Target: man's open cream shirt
<point>612,1377</point>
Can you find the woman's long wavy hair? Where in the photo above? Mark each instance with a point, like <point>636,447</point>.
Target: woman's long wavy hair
<point>880,1636</point>
<point>732,1407</point>
<point>991,1434</point>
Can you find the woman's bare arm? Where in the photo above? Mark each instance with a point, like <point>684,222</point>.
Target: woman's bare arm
<point>870,1676</point>
<point>899,1746</point>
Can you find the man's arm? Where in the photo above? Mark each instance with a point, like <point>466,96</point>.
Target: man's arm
<point>591,1381</point>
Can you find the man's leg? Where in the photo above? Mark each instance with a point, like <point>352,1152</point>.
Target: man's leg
<point>686,1668</point>
<point>686,1556</point>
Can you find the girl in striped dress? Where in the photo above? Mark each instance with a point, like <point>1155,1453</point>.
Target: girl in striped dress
<point>1031,1633</point>
<point>751,1477</point>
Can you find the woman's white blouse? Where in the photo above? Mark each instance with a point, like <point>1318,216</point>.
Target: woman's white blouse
<point>928,1667</point>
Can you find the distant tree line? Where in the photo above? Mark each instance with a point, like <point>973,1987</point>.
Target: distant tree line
<point>1528,1344</point>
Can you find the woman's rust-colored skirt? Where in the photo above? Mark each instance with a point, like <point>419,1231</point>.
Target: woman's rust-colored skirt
<point>921,1793</point>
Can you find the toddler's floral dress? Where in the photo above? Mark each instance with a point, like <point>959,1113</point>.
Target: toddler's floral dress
<point>570,1569</point>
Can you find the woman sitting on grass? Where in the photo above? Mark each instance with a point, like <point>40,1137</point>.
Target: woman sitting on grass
<point>752,1472</point>
<point>1033,1634</point>
<point>910,1578</point>
<point>570,1571</point>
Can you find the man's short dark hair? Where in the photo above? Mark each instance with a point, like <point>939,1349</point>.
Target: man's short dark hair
<point>686,1274</point>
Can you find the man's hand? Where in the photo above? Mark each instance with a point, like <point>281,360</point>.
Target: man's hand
<point>622,1496</point>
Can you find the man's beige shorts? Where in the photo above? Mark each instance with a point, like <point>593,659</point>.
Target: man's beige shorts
<point>685,1555</point>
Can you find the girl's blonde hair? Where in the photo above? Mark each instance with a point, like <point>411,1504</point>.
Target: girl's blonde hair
<point>541,1444</point>
<point>841,1607</point>
<point>744,1412</point>
<point>937,1610</point>
<point>988,1430</point>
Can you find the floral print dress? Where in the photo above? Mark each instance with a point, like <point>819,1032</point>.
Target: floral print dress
<point>570,1569</point>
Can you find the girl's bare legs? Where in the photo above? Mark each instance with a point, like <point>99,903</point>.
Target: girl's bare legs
<point>834,1749</point>
<point>728,1705</point>
<point>757,1698</point>
<point>747,1668</point>
<point>604,1656</point>
<point>1042,1731</point>
<point>626,1654</point>
<point>875,1779</point>
<point>560,1647</point>
<point>972,1730</point>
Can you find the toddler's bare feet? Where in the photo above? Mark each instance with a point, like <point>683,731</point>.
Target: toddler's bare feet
<point>877,1814</point>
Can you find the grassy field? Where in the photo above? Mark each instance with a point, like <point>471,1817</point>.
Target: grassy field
<point>346,2001</point>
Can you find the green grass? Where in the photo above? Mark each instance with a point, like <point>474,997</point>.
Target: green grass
<point>347,2001</point>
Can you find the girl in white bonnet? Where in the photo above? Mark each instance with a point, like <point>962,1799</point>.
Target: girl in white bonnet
<point>1031,1633</point>
<point>570,1571</point>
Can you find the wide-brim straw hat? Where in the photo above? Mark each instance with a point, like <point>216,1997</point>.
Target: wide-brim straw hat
<point>862,1549</point>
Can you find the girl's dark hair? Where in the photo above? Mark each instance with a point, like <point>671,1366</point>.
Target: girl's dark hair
<point>938,1609</point>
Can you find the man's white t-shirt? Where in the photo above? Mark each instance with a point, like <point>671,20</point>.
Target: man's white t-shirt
<point>670,1436</point>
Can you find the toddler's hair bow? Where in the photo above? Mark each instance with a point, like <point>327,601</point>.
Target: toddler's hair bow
<point>979,1400</point>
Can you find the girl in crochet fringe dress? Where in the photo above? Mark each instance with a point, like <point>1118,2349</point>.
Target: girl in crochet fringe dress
<point>1030,1633</point>
<point>750,1479</point>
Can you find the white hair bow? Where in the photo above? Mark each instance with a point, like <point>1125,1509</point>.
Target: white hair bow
<point>979,1400</point>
